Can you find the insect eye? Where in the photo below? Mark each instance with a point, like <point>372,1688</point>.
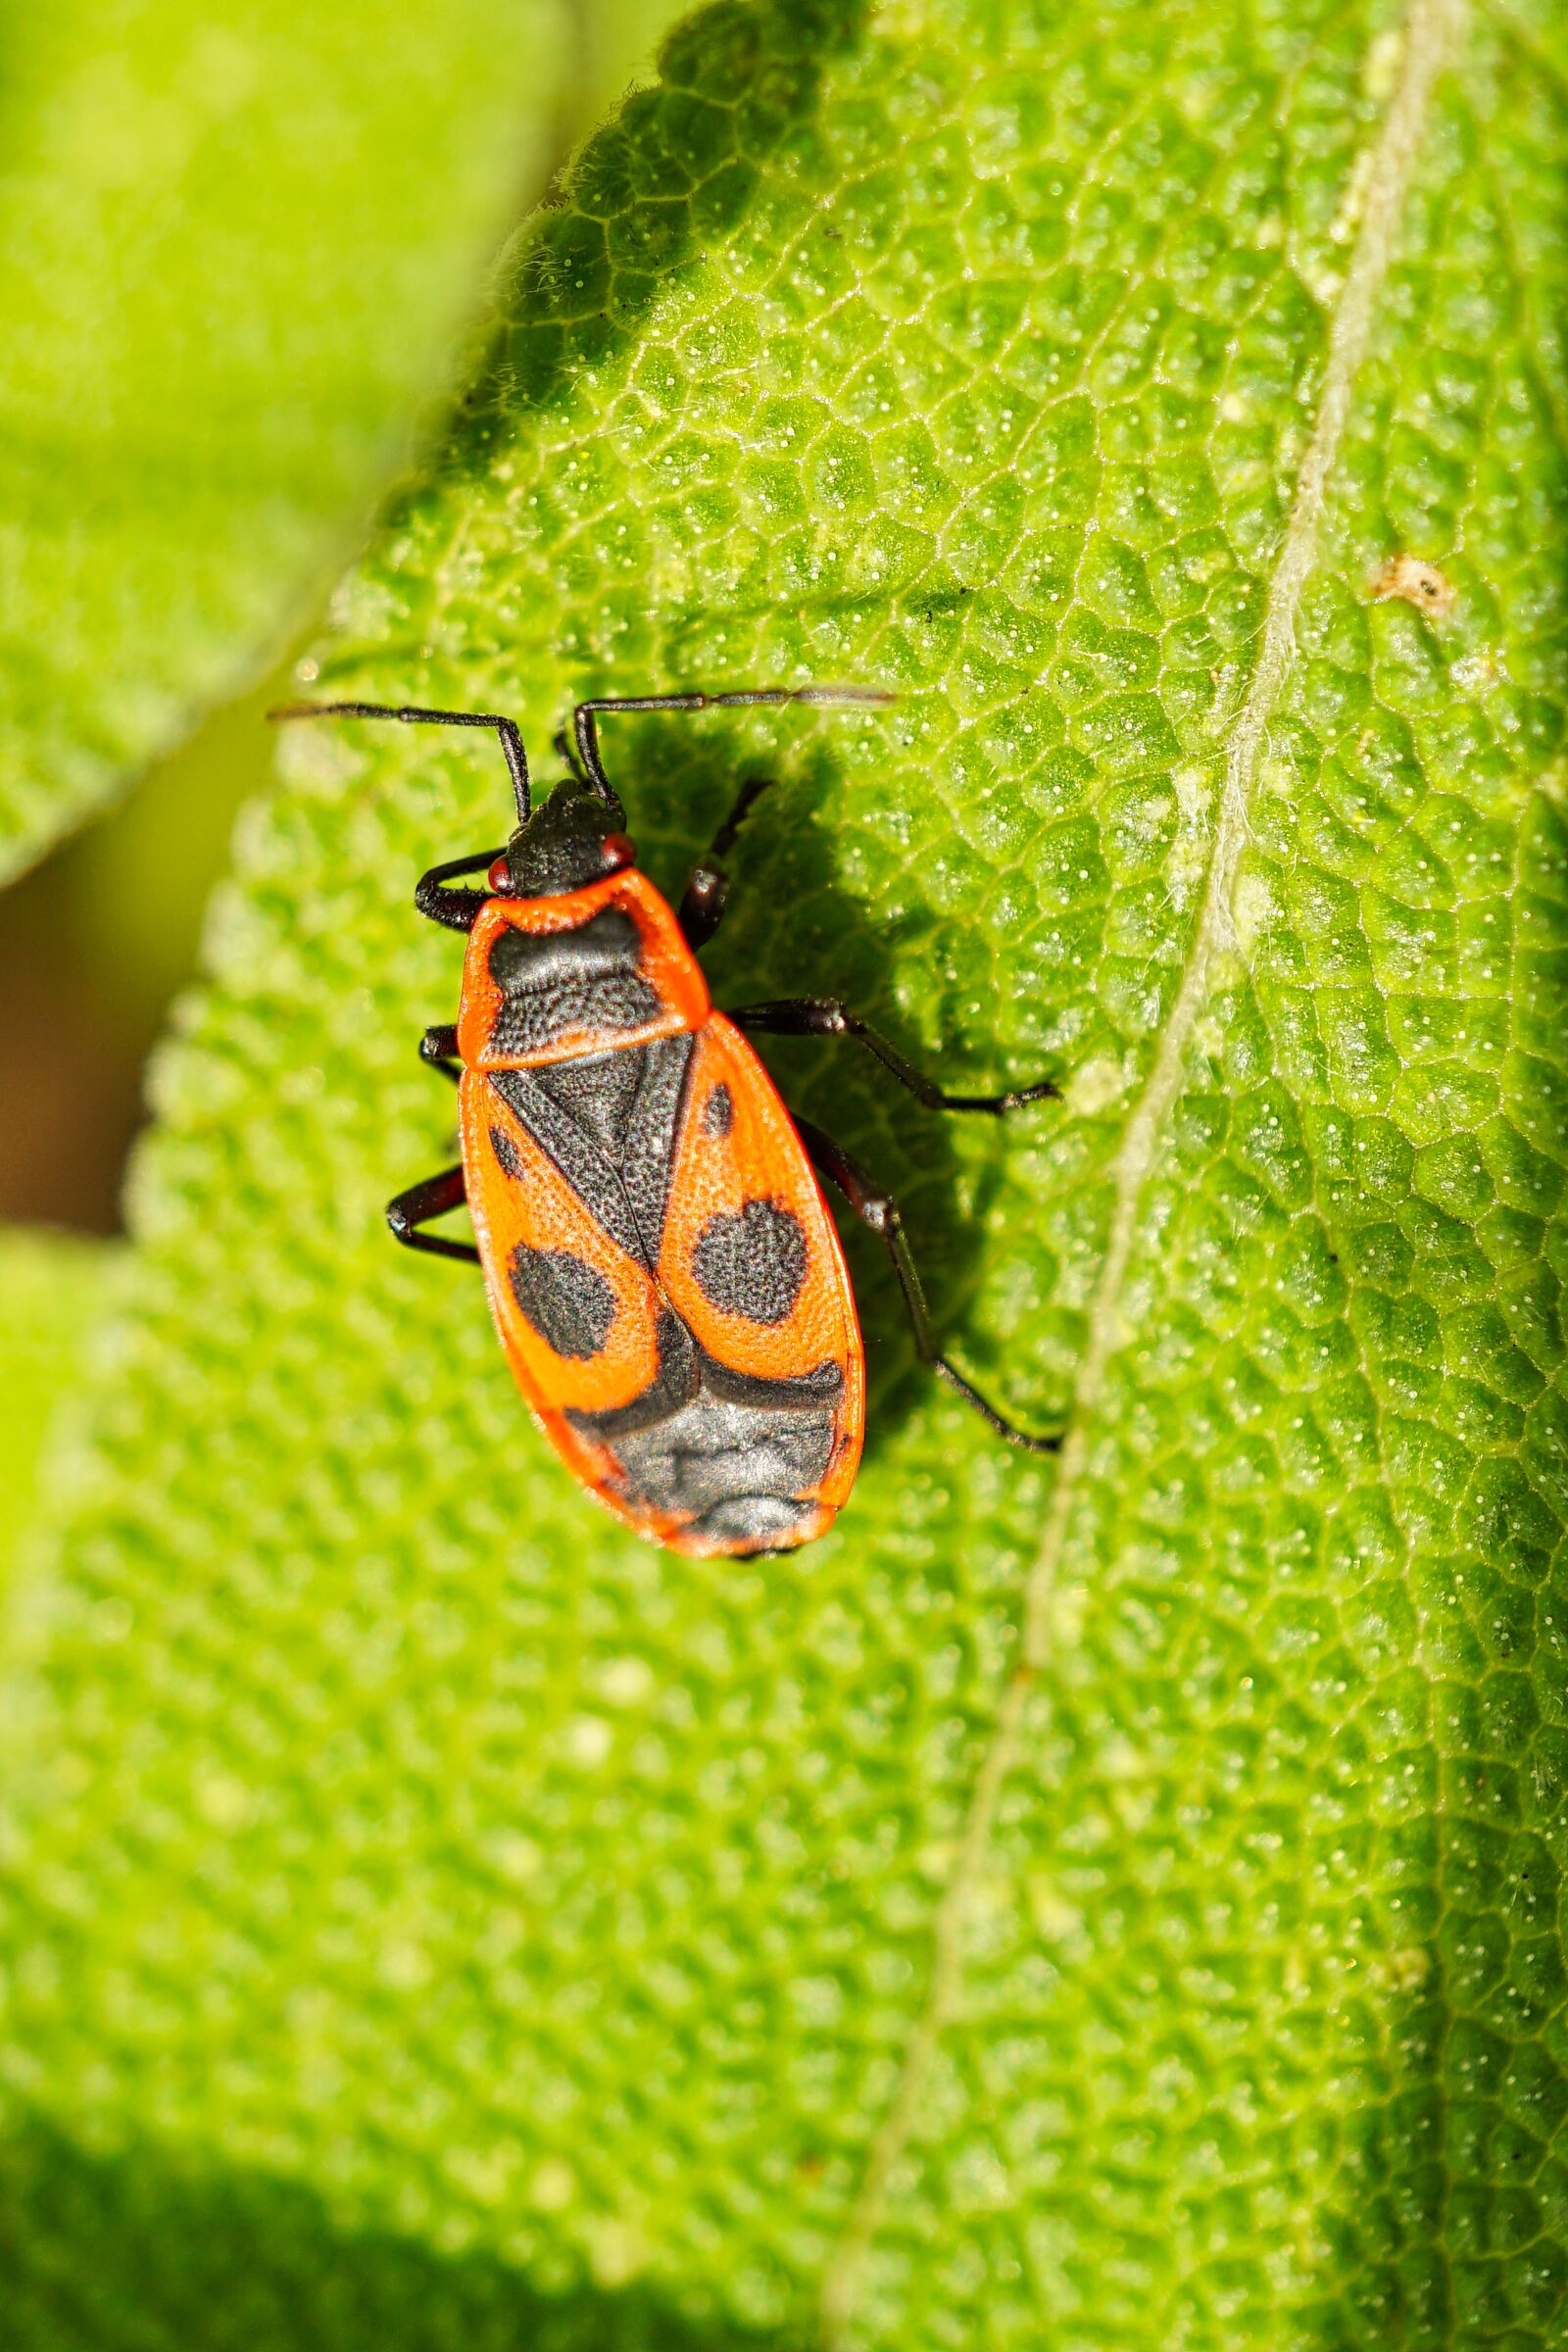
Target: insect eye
<point>500,877</point>
<point>619,850</point>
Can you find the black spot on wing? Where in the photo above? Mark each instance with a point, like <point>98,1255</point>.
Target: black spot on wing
<point>719,1111</point>
<point>754,1265</point>
<point>567,1301</point>
<point>507,1153</point>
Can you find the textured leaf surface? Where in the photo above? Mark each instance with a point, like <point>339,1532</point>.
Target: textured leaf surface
<point>1106,1904</point>
<point>238,251</point>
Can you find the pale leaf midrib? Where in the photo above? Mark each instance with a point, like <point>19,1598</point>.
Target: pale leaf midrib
<point>1431,30</point>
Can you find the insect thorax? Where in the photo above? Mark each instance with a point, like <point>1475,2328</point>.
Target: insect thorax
<point>585,972</point>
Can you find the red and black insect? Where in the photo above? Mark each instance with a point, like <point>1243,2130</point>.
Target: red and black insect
<point>660,1264</point>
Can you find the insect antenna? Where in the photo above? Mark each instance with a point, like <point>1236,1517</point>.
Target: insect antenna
<point>506,728</point>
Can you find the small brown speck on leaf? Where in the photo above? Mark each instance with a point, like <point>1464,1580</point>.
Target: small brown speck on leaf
<point>1414,583</point>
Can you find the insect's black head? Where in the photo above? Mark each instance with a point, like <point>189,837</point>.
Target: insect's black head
<point>572,838</point>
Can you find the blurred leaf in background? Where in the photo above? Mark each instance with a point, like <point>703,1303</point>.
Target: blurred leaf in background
<point>94,944</point>
<point>52,1287</point>
<point>1116,1904</point>
<point>238,250</point>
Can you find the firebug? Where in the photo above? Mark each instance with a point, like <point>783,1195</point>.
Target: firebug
<point>666,1281</point>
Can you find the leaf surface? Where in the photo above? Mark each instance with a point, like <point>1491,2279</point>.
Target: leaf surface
<point>1112,1903</point>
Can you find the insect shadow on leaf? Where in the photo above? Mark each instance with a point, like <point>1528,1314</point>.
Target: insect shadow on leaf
<point>792,928</point>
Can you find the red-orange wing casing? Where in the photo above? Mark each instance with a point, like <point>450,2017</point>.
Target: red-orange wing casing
<point>519,1201</point>
<point>699,1370</point>
<point>750,1259</point>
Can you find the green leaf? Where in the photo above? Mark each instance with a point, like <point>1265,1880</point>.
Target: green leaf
<point>51,1287</point>
<point>1106,1903</point>
<point>238,250</point>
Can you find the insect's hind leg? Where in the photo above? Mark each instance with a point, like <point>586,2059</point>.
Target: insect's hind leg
<point>703,901</point>
<point>423,1201</point>
<point>878,1210</point>
<point>826,1016</point>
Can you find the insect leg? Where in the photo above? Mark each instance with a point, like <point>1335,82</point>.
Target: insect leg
<point>587,733</point>
<point>438,1049</point>
<point>825,1016</point>
<point>707,889</point>
<point>517,758</point>
<point>879,1211</point>
<point>456,908</point>
<point>423,1201</point>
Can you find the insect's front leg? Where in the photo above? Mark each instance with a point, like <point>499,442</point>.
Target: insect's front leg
<point>454,909</point>
<point>423,1201</point>
<point>702,905</point>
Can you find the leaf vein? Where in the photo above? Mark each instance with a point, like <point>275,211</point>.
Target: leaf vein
<point>1431,31</point>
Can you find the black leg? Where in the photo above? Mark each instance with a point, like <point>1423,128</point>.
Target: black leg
<point>456,908</point>
<point>707,885</point>
<point>439,1050</point>
<point>880,1211</point>
<point>825,1016</point>
<point>587,733</point>
<point>506,728</point>
<point>423,1201</point>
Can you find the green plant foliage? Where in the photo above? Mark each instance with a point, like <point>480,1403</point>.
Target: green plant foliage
<point>1112,1902</point>
<point>51,1286</point>
<point>237,248</point>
